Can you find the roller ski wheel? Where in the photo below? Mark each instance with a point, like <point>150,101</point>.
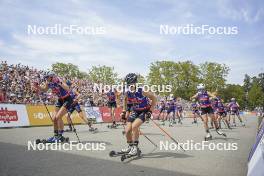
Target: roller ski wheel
<point>112,126</point>
<point>208,138</point>
<point>67,140</point>
<point>41,141</point>
<point>70,130</point>
<point>94,130</point>
<point>127,156</point>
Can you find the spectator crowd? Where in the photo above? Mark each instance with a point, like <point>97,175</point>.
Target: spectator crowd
<point>17,87</point>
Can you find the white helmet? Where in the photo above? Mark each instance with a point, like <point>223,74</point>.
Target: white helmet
<point>50,74</point>
<point>233,99</point>
<point>200,86</point>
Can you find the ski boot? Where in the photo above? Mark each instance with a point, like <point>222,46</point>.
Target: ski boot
<point>174,122</point>
<point>134,151</point>
<point>69,130</point>
<point>243,124</point>
<point>52,139</point>
<point>208,136</point>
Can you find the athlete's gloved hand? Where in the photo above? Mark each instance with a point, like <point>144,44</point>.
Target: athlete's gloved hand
<point>123,115</point>
<point>148,114</point>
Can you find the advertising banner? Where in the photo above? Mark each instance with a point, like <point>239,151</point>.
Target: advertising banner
<point>13,115</point>
<point>93,113</point>
<point>106,114</point>
<point>38,115</point>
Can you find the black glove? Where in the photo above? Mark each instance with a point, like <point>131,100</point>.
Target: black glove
<point>148,114</point>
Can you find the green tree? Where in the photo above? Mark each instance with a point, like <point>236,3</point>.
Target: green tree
<point>68,70</point>
<point>214,75</point>
<point>255,95</point>
<point>246,86</point>
<point>182,76</point>
<point>162,73</point>
<point>247,83</point>
<point>233,91</point>
<point>103,74</point>
<point>187,77</point>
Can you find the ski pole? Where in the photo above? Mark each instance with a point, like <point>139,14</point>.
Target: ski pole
<point>140,132</point>
<point>74,129</point>
<point>48,112</point>
<point>167,134</point>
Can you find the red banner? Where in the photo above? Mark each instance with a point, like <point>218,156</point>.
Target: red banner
<point>106,114</point>
<point>8,115</point>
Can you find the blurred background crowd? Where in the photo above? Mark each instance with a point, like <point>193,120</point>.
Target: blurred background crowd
<point>17,81</point>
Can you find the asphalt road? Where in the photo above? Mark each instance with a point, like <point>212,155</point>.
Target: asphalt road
<point>16,159</point>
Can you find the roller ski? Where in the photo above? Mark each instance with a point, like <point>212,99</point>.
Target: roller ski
<point>134,152</point>
<point>93,130</point>
<point>208,137</point>
<point>113,125</point>
<point>115,153</point>
<point>234,125</point>
<point>120,153</point>
<point>53,139</point>
<point>69,130</point>
<point>219,132</point>
<point>194,122</point>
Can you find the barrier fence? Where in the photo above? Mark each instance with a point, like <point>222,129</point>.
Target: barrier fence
<point>256,155</point>
<point>17,115</point>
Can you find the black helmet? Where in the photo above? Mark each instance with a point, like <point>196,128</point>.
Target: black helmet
<point>131,78</point>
